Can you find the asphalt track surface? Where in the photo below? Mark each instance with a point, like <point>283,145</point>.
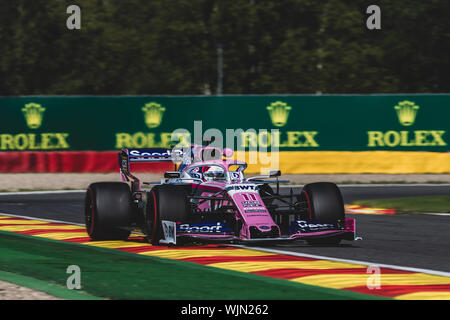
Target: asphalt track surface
<point>418,241</point>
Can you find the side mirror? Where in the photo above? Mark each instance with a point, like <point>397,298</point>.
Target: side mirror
<point>274,173</point>
<point>172,174</point>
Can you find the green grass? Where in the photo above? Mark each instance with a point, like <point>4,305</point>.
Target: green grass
<point>114,274</point>
<point>410,204</point>
<point>47,287</point>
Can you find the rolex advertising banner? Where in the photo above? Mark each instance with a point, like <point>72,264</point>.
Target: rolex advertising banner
<point>289,123</point>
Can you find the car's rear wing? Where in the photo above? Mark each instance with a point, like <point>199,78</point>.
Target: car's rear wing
<point>155,155</point>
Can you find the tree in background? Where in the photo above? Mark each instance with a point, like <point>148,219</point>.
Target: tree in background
<point>162,47</point>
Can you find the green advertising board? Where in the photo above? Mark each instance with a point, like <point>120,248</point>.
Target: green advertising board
<point>294,122</point>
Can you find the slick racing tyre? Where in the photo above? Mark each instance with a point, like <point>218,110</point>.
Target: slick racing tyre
<point>325,204</point>
<point>108,210</point>
<point>166,202</point>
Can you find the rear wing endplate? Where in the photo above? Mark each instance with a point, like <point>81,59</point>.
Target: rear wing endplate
<point>127,156</point>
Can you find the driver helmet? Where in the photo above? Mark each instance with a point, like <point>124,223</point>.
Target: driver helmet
<point>214,173</point>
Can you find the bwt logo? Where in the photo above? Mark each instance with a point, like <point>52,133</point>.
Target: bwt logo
<point>242,187</point>
<point>201,228</point>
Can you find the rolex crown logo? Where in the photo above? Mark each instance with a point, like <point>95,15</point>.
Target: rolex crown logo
<point>279,113</point>
<point>406,112</point>
<point>153,114</point>
<point>33,113</point>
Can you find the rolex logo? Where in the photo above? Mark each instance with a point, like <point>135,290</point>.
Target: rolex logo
<point>279,113</point>
<point>406,112</point>
<point>33,113</point>
<point>153,114</point>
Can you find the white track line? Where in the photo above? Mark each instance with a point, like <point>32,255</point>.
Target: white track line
<point>440,273</point>
<point>297,254</point>
<point>291,253</point>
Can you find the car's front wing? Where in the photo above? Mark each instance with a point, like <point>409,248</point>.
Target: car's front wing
<point>300,230</point>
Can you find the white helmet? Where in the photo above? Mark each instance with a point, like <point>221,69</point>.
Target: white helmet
<point>214,173</point>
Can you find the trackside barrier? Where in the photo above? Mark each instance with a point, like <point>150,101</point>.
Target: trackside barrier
<point>296,162</point>
<point>314,133</point>
<point>70,161</point>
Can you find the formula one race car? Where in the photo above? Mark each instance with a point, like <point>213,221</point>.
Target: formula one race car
<point>208,198</point>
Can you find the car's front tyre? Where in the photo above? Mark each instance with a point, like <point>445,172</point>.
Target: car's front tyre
<point>166,202</point>
<point>324,204</point>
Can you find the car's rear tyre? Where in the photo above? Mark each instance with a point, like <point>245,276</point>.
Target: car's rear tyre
<point>325,204</point>
<point>108,211</point>
<point>166,202</point>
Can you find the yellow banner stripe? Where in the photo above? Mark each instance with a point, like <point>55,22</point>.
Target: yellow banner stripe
<point>253,266</point>
<point>197,253</point>
<point>341,281</point>
<point>425,295</point>
<point>324,162</point>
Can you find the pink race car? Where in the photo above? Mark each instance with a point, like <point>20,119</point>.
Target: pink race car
<point>208,198</point>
